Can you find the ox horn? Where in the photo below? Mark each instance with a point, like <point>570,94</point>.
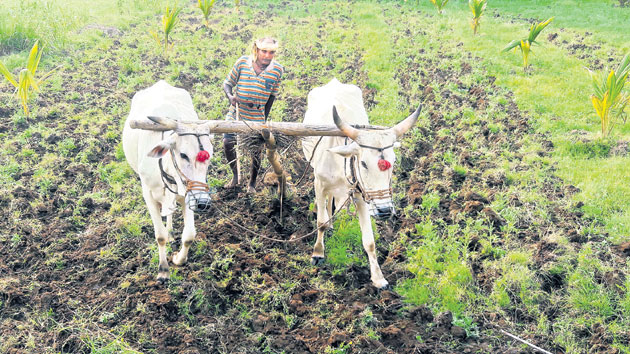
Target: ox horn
<point>346,129</point>
<point>164,122</point>
<point>402,127</point>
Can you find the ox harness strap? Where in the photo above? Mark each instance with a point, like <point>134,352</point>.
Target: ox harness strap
<point>197,135</point>
<point>375,148</point>
<point>166,178</point>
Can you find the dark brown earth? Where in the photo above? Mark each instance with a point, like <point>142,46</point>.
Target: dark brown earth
<point>242,292</point>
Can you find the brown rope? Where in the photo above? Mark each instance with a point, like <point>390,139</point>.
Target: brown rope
<point>196,186</point>
<point>309,161</point>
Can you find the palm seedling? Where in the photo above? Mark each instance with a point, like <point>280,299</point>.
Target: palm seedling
<point>206,6</point>
<point>526,44</point>
<point>26,82</point>
<point>609,99</point>
<point>439,4</point>
<point>477,7</point>
<point>169,20</point>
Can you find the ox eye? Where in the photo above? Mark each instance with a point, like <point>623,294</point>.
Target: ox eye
<point>364,164</point>
<point>184,156</point>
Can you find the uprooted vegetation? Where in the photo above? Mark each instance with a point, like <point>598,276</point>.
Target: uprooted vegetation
<point>486,237</point>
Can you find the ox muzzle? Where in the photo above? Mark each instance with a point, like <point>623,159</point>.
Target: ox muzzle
<point>381,210</point>
<point>380,203</point>
<point>198,196</point>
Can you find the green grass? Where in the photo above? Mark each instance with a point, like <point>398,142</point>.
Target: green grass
<point>442,278</point>
<point>59,23</point>
<point>345,247</point>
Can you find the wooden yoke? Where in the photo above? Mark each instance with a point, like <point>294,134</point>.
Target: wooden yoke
<point>227,126</point>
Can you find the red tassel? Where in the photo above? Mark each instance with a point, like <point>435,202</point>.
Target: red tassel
<point>384,165</point>
<point>203,155</point>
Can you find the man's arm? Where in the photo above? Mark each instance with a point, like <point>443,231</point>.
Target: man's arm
<point>228,93</point>
<point>268,105</point>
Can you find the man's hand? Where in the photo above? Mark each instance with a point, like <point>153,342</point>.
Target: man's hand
<point>233,100</point>
<point>228,93</point>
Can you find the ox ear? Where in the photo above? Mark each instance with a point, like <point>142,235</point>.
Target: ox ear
<point>162,148</point>
<point>346,150</point>
<point>402,127</point>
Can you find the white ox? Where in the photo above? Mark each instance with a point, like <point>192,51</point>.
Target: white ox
<point>172,167</point>
<point>359,166</point>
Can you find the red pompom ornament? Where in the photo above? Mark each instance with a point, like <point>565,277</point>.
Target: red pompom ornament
<point>203,155</point>
<point>384,165</point>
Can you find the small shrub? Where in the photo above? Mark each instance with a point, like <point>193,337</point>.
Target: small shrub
<point>206,7</point>
<point>26,82</point>
<point>439,5</point>
<point>525,44</point>
<point>477,7</point>
<point>169,20</point>
<point>609,100</point>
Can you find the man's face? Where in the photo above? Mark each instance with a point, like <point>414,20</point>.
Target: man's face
<point>265,56</point>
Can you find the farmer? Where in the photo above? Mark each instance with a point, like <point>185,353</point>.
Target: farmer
<point>256,79</point>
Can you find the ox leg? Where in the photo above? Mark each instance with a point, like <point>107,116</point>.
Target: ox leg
<point>188,236</point>
<point>256,158</point>
<point>231,155</point>
<point>169,227</point>
<point>161,234</point>
<point>322,218</point>
<point>368,244</point>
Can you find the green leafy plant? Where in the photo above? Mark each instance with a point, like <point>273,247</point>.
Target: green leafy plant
<point>477,7</point>
<point>26,81</point>
<point>206,7</point>
<point>526,44</point>
<point>439,4</point>
<point>169,20</point>
<point>609,99</point>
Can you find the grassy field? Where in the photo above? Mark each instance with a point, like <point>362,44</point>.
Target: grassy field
<point>514,210</point>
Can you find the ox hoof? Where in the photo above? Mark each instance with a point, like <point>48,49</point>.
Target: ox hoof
<point>232,184</point>
<point>162,279</point>
<point>178,262</point>
<point>382,285</point>
<point>317,260</point>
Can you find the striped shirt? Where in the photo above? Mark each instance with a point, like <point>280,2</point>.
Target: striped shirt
<point>253,90</point>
